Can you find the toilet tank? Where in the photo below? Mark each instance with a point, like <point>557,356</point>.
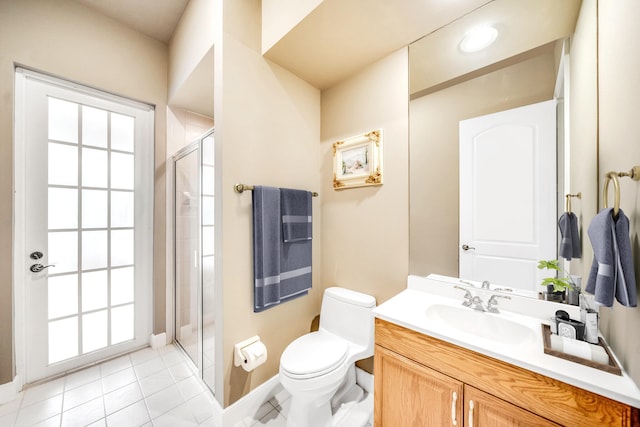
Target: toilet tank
<point>347,313</point>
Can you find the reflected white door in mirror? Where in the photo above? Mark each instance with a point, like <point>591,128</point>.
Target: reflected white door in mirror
<point>507,195</point>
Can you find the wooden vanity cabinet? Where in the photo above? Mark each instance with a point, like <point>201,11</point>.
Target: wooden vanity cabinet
<point>421,381</point>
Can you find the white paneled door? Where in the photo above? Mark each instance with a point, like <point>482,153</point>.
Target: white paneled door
<point>86,175</point>
<point>508,195</point>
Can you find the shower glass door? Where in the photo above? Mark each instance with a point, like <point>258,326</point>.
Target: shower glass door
<point>194,254</point>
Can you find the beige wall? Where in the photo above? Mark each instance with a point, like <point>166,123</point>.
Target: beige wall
<point>192,40</point>
<point>281,16</point>
<point>68,40</point>
<point>365,230</point>
<point>268,130</point>
<point>184,127</point>
<point>434,149</point>
<point>619,127</point>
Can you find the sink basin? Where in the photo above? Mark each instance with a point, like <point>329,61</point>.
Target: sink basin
<point>494,327</point>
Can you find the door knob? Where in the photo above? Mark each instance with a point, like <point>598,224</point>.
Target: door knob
<point>37,268</point>
<point>466,247</point>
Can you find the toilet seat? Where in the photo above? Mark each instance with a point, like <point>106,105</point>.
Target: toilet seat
<point>313,355</point>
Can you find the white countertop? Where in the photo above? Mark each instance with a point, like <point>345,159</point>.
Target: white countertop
<point>408,309</point>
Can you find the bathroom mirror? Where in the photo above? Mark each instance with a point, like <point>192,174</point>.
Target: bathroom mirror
<point>523,66</point>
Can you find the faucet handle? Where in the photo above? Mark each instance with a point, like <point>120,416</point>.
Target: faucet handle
<point>467,296</point>
<point>493,302</point>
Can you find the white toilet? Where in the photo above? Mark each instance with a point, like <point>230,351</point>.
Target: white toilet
<point>318,368</point>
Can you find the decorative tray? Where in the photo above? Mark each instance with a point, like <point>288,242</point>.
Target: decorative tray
<point>612,367</point>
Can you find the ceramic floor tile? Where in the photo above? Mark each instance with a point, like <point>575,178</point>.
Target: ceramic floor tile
<point>11,407</point>
<point>272,419</point>
<point>39,411</point>
<point>132,416</point>
<point>122,397</point>
<point>84,414</point>
<point>143,355</point>
<point>49,422</point>
<point>115,365</point>
<point>43,391</point>
<point>179,416</point>
<point>280,398</point>
<point>201,406</point>
<point>100,423</point>
<point>171,357</point>
<point>190,387</point>
<point>156,382</point>
<point>259,413</point>
<point>82,377</point>
<point>82,394</point>
<point>117,380</point>
<point>163,401</point>
<point>8,418</point>
<point>149,367</point>
<point>111,394</point>
<point>281,403</point>
<point>209,423</point>
<point>181,370</point>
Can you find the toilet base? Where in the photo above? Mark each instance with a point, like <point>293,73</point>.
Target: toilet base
<point>308,414</point>
<point>351,406</point>
<point>356,411</point>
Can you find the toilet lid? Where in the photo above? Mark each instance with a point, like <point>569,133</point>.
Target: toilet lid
<point>314,353</point>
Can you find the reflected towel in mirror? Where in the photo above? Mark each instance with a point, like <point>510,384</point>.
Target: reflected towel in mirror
<point>570,246</point>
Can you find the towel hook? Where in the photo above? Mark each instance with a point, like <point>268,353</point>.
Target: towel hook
<point>568,197</point>
<point>634,174</point>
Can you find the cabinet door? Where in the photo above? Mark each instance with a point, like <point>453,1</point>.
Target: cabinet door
<point>483,410</point>
<point>408,394</point>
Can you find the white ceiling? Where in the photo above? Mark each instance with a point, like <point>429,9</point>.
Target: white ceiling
<point>342,37</point>
<point>155,18</point>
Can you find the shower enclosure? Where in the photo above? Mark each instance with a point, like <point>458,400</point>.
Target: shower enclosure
<point>193,266</point>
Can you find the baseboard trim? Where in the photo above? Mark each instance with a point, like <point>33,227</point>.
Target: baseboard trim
<point>9,391</point>
<point>158,341</point>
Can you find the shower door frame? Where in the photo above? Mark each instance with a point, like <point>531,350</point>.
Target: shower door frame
<point>195,146</point>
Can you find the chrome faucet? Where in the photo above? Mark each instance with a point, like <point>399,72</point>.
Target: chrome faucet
<point>468,298</point>
<point>492,304</point>
<point>478,304</point>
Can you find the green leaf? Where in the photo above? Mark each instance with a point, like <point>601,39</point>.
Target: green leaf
<point>551,265</point>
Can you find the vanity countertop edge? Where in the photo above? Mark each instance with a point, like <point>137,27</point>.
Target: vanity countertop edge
<point>531,357</point>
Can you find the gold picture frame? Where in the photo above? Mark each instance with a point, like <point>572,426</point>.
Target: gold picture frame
<point>357,161</point>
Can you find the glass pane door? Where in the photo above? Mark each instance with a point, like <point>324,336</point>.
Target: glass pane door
<point>88,226</point>
<point>187,253</point>
<point>194,219</point>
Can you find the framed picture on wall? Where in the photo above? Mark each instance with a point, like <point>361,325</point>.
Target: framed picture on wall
<point>357,161</point>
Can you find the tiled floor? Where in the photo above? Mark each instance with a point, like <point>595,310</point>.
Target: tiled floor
<point>149,388</point>
<point>145,388</point>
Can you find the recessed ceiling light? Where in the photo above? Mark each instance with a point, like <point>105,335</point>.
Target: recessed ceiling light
<point>478,39</point>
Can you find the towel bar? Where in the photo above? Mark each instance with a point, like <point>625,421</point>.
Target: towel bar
<point>240,188</point>
<point>634,174</point>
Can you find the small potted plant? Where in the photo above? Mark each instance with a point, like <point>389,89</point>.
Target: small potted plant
<point>557,287</point>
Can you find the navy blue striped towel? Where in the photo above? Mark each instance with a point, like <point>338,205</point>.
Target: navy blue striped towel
<point>281,270</point>
<point>570,243</point>
<point>612,274</point>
